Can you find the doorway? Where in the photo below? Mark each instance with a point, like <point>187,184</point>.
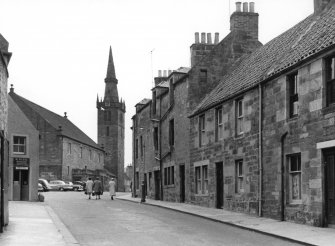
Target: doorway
<point>157,185</point>
<point>182,182</point>
<point>219,185</point>
<point>329,159</point>
<point>21,185</point>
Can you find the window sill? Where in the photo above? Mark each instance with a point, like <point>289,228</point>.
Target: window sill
<point>239,136</point>
<point>295,203</point>
<point>169,186</point>
<point>329,109</point>
<point>202,195</point>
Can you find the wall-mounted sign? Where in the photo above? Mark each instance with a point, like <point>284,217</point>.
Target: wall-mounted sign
<point>21,163</point>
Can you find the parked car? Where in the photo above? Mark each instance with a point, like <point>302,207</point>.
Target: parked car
<point>60,185</point>
<point>45,184</point>
<point>78,186</point>
<point>40,188</point>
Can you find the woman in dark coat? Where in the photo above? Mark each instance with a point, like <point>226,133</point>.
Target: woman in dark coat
<point>97,187</point>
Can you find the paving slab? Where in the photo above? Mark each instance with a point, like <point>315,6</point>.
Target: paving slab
<point>303,234</point>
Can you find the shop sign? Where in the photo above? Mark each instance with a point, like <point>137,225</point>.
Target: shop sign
<point>21,163</point>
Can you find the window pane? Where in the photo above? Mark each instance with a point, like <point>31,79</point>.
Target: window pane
<point>296,186</point>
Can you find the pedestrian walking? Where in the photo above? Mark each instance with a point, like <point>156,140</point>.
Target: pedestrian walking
<point>89,187</point>
<point>97,187</point>
<point>111,185</point>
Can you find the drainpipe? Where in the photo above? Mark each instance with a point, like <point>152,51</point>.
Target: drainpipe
<point>160,148</point>
<point>2,163</point>
<point>260,157</point>
<point>134,159</point>
<point>282,195</point>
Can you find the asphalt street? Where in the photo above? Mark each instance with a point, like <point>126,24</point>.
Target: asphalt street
<point>107,222</point>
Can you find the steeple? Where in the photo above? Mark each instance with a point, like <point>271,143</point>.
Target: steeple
<point>111,93</point>
<point>110,76</point>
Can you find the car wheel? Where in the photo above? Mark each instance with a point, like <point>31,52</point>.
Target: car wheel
<point>61,189</point>
<point>75,189</point>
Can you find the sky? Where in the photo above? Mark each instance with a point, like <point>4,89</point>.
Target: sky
<point>60,47</point>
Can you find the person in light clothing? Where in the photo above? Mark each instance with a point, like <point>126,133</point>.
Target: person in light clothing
<point>112,188</point>
<point>89,187</point>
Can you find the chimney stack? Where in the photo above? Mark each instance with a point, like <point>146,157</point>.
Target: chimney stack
<point>246,21</point>
<point>159,73</point>
<point>209,38</point>
<point>164,73</point>
<point>320,5</point>
<point>202,48</point>
<point>216,40</point>
<point>245,7</point>
<point>11,88</point>
<point>65,116</point>
<point>196,37</point>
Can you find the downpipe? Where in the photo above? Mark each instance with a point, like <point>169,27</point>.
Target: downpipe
<point>260,156</point>
<point>282,172</point>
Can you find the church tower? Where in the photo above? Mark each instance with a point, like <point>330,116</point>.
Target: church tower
<point>111,112</point>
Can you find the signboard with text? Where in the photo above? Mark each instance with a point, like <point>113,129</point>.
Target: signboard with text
<point>21,163</point>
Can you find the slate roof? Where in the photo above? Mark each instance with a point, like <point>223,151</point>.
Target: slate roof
<point>68,128</point>
<point>306,39</point>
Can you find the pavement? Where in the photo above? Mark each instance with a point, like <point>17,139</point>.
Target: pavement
<point>35,223</point>
<point>304,234</point>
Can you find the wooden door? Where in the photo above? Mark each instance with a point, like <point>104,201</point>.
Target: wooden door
<point>330,186</point>
<point>182,182</point>
<point>219,185</point>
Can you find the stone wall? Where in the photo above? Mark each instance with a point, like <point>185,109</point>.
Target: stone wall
<point>228,151</point>
<point>314,123</point>
<point>80,157</point>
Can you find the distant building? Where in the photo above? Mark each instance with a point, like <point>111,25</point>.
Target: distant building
<point>111,112</point>
<point>23,155</point>
<point>4,61</point>
<point>65,152</point>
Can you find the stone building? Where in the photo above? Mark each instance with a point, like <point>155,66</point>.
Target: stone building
<point>65,152</point>
<point>262,142</point>
<point>23,155</point>
<point>160,126</point>
<point>111,112</point>
<point>4,61</point>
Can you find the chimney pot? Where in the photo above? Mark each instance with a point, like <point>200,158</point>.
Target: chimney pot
<point>159,73</point>
<point>216,40</point>
<point>165,73</point>
<point>65,116</point>
<point>203,37</point>
<point>252,7</point>
<point>196,37</point>
<point>209,38</point>
<point>11,88</point>
<point>245,7</point>
<point>238,6</point>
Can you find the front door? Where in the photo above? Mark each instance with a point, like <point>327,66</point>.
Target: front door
<point>157,184</point>
<point>21,185</point>
<point>182,182</point>
<point>330,185</point>
<point>219,185</point>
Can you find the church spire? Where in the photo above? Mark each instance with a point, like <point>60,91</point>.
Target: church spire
<point>111,93</point>
<point>110,68</point>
